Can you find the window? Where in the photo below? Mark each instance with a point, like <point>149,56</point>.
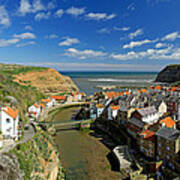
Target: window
<point>168,148</point>
<point>167,157</point>
<point>8,120</point>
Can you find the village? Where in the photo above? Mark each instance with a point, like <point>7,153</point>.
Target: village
<point>148,120</point>
<point>144,123</point>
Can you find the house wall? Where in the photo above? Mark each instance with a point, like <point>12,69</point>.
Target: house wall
<point>147,146</point>
<point>109,113</point>
<point>9,129</point>
<point>162,109</point>
<point>166,151</point>
<point>99,111</point>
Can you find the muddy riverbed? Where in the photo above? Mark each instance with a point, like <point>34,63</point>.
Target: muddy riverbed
<point>83,155</point>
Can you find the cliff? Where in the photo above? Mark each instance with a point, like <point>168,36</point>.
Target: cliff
<point>35,159</point>
<point>38,157</point>
<point>47,81</point>
<point>169,74</point>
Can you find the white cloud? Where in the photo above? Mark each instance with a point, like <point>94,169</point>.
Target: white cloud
<point>26,35</point>
<point>171,36</point>
<point>4,17</point>
<point>138,43</point>
<point>28,28</point>
<point>100,16</point>
<point>104,31</point>
<point>121,29</point>
<point>69,41</point>
<point>51,5</point>
<point>131,7</point>
<point>173,55</point>
<point>4,42</point>
<point>149,53</point>
<point>37,6</point>
<point>84,54</point>
<point>59,13</point>
<point>42,15</point>
<point>160,45</point>
<point>26,44</point>
<point>138,32</point>
<point>27,7</point>
<point>75,11</point>
<point>51,36</point>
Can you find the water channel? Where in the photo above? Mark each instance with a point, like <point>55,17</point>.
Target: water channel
<point>83,156</point>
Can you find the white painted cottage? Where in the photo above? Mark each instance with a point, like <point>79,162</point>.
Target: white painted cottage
<point>99,109</point>
<point>9,119</point>
<point>113,111</point>
<point>34,110</point>
<point>48,102</point>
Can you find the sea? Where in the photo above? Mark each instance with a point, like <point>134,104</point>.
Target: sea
<point>88,81</point>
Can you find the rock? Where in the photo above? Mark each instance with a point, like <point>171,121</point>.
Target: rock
<point>10,168</point>
<point>169,74</point>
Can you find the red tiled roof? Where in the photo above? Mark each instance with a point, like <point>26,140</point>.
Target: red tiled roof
<point>37,106</point>
<point>147,134</point>
<point>59,97</point>
<point>168,122</point>
<point>127,92</point>
<point>100,106</point>
<point>144,90</point>
<point>158,87</point>
<point>115,107</point>
<point>45,100</point>
<point>42,105</point>
<point>11,112</point>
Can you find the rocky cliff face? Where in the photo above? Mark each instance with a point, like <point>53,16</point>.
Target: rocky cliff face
<point>35,159</point>
<point>10,168</point>
<point>48,81</point>
<point>169,74</point>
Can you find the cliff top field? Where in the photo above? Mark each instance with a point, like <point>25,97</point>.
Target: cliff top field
<point>46,80</point>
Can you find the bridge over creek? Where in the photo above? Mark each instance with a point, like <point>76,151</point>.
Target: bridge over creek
<point>68,124</point>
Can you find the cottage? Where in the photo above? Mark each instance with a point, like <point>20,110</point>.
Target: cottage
<point>34,110</point>
<point>100,109</point>
<point>147,142</point>
<point>148,115</point>
<point>135,127</point>
<point>79,96</point>
<point>124,113</point>
<point>168,142</point>
<point>168,122</point>
<point>58,99</point>
<point>48,102</point>
<point>113,111</point>
<point>172,105</point>
<point>9,119</point>
<point>161,107</point>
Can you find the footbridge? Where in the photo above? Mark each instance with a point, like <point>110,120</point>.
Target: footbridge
<point>68,123</point>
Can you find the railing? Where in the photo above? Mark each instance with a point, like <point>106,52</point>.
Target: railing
<point>67,123</point>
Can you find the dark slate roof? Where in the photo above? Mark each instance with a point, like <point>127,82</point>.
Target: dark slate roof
<point>147,111</point>
<point>168,133</point>
<point>136,122</point>
<point>124,109</point>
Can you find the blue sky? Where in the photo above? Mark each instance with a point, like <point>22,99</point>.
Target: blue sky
<point>136,35</point>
